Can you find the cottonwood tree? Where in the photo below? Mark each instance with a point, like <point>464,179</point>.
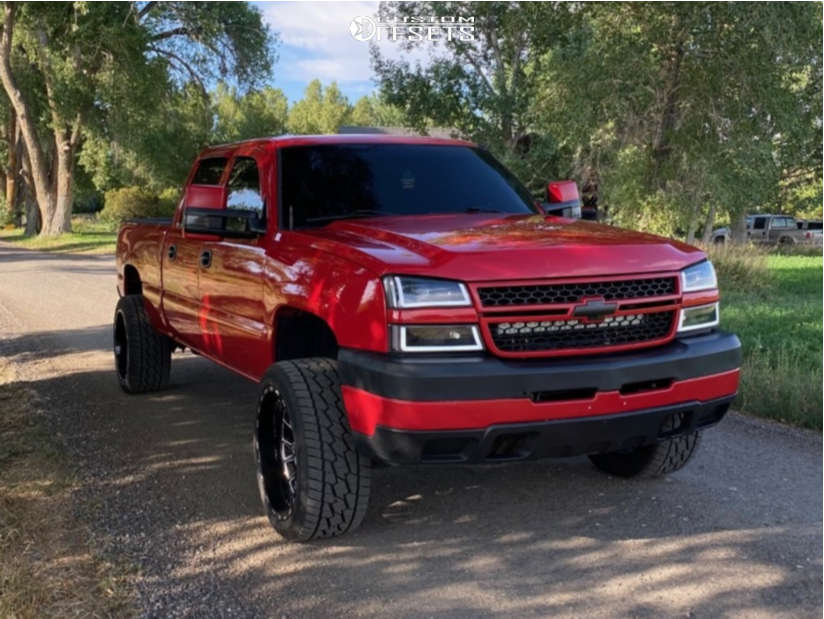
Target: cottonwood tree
<point>674,112</point>
<point>256,113</point>
<point>482,87</point>
<point>68,67</point>
<point>372,111</point>
<point>322,110</point>
<point>685,110</point>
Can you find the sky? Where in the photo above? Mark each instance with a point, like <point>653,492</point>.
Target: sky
<point>315,43</point>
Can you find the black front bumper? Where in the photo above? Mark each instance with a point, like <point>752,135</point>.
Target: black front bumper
<point>481,377</point>
<point>556,439</point>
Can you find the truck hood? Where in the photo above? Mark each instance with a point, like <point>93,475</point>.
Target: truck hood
<point>478,247</point>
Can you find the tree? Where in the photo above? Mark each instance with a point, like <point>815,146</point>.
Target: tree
<point>320,111</point>
<point>372,111</point>
<point>685,110</point>
<point>240,117</point>
<point>674,112</point>
<point>482,87</point>
<point>67,67</point>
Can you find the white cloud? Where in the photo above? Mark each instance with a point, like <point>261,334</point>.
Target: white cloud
<point>315,41</point>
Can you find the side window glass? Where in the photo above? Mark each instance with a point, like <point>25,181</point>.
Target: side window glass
<point>760,223</point>
<point>209,171</point>
<point>244,186</point>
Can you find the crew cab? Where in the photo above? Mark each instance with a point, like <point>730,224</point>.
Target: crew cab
<point>769,230</point>
<point>406,301</point>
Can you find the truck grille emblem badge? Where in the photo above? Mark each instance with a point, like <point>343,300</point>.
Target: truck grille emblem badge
<point>594,309</point>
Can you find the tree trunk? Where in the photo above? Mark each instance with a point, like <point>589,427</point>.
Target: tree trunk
<point>26,197</point>
<point>11,163</point>
<point>738,228</point>
<point>693,227</point>
<point>33,223</point>
<point>64,169</point>
<point>708,225</point>
<point>44,194</point>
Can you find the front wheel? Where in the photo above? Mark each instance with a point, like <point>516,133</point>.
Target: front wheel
<point>312,481</point>
<point>662,458</point>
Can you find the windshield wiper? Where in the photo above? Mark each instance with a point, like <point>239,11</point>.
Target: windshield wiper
<point>364,212</point>
<point>475,209</point>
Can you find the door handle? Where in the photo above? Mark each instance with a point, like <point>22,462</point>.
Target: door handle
<point>172,252</point>
<point>206,259</point>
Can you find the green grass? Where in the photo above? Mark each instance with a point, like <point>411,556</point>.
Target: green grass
<point>778,316</point>
<point>88,236</point>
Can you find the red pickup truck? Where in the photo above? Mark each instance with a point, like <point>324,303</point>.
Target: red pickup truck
<point>405,301</point>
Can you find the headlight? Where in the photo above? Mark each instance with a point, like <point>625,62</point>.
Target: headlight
<point>700,317</point>
<point>435,338</point>
<point>404,292</point>
<point>699,276</point>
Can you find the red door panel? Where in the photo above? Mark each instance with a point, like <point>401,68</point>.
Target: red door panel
<point>181,295</point>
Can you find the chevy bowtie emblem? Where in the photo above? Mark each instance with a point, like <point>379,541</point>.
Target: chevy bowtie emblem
<point>594,309</point>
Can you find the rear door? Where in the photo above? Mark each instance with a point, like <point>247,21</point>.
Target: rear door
<point>181,254</point>
<point>231,274</point>
<point>759,229</point>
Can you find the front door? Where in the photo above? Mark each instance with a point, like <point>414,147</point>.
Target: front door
<point>231,278</point>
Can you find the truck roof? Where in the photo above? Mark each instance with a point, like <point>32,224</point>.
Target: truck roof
<point>281,141</point>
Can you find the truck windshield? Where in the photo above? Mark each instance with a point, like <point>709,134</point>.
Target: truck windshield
<point>323,183</point>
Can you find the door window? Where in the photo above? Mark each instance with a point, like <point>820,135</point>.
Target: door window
<point>244,186</point>
<point>760,223</point>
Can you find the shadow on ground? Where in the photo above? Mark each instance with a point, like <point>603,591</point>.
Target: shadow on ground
<point>171,485</point>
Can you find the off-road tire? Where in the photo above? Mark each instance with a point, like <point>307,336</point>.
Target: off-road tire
<point>332,480</point>
<point>662,458</point>
<point>142,356</point>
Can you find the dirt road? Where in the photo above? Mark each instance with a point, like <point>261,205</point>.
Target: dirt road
<point>170,489</point>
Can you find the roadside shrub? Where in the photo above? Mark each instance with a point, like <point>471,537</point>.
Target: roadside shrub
<point>169,198</point>
<point>6,215</point>
<point>740,267</point>
<point>126,202</point>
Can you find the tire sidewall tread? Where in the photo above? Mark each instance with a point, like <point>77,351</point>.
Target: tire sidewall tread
<point>149,353</point>
<point>333,480</point>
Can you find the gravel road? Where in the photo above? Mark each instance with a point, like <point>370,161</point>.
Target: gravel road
<point>170,490</point>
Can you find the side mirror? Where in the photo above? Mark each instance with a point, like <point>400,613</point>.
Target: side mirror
<point>227,223</point>
<point>562,199</point>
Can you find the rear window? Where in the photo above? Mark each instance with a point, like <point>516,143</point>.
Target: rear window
<point>813,225</point>
<point>328,182</point>
<point>209,171</point>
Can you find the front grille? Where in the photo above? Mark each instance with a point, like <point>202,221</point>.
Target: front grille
<point>503,296</point>
<point>549,335</point>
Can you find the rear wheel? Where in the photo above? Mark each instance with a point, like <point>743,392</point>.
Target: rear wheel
<point>662,458</point>
<point>312,481</point>
<point>142,356</point>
